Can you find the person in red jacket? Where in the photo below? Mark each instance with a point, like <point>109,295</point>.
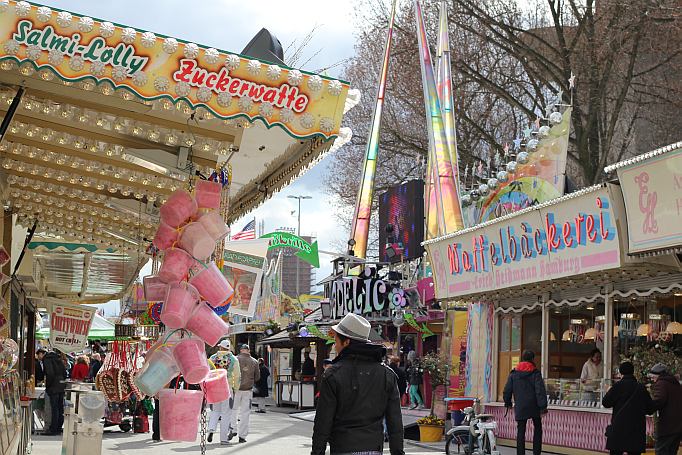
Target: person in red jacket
<point>81,370</point>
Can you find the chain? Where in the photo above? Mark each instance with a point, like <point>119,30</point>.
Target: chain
<point>204,424</point>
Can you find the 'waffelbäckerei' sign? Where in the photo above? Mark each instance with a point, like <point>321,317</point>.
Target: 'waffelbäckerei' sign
<point>571,237</point>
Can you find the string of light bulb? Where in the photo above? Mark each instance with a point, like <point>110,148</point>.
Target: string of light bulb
<point>170,137</point>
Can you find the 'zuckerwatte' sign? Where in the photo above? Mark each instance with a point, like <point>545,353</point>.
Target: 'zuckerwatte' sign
<point>574,236</point>
<point>76,48</point>
<point>69,326</point>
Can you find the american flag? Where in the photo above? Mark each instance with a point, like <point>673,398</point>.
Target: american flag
<point>248,233</point>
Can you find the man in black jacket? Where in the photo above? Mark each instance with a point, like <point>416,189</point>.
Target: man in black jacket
<point>631,403</point>
<point>668,402</point>
<point>402,377</point>
<point>39,372</point>
<point>357,392</point>
<point>530,401</point>
<point>55,374</point>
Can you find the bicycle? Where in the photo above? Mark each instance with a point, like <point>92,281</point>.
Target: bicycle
<point>476,438</point>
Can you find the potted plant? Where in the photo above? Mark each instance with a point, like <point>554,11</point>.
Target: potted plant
<point>437,368</point>
<point>271,328</point>
<point>431,428</point>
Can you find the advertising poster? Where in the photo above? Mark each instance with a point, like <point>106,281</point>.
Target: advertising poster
<point>459,354</point>
<point>267,306</point>
<point>243,266</point>
<point>652,190</point>
<point>69,326</point>
<point>478,369</point>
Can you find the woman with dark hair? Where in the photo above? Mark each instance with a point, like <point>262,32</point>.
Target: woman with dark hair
<point>631,404</point>
<point>416,378</point>
<point>593,368</point>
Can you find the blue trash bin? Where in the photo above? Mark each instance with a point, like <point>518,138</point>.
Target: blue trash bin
<point>457,417</point>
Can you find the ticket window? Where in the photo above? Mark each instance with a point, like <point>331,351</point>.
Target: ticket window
<point>510,349</point>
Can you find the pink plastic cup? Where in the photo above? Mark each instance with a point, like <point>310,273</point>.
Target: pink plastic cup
<point>207,325</point>
<point>181,300</point>
<point>165,236</point>
<point>196,241</point>
<point>207,194</point>
<point>214,225</point>
<point>180,411</point>
<point>216,387</point>
<point>154,288</point>
<point>212,285</point>
<point>176,264</point>
<point>190,357</point>
<point>4,256</point>
<point>178,208</point>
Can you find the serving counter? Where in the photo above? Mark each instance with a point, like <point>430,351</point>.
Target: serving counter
<point>299,393</point>
<point>565,429</point>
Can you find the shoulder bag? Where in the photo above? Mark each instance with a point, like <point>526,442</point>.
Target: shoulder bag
<point>607,432</point>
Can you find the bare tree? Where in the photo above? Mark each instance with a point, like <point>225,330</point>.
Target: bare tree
<point>510,61</point>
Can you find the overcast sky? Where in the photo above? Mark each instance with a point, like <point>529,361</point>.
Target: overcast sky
<point>230,25</point>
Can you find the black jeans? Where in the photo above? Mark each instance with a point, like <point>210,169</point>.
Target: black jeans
<point>668,444</point>
<point>57,405</point>
<point>521,436</point>
<point>621,452</point>
<point>156,432</point>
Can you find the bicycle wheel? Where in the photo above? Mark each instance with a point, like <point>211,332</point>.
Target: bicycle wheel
<point>457,442</point>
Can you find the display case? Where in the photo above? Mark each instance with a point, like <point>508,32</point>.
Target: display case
<point>577,392</point>
<point>10,420</point>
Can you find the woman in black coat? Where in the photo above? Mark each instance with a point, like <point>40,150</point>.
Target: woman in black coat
<point>631,403</point>
<point>262,386</point>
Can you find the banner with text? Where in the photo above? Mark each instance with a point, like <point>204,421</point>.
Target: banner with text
<point>76,48</point>
<point>652,190</point>
<point>69,326</point>
<point>576,235</point>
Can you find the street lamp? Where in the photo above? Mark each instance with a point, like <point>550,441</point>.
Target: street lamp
<point>298,293</point>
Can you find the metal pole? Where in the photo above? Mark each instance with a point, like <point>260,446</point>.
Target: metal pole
<point>10,112</point>
<point>298,292</point>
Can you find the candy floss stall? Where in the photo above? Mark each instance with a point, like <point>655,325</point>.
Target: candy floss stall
<point>119,146</point>
<point>560,279</point>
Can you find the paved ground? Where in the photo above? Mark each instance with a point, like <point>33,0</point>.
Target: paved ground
<point>273,432</point>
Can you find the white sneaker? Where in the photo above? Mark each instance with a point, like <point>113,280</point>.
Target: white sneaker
<point>413,406</point>
<point>225,443</point>
<point>420,407</point>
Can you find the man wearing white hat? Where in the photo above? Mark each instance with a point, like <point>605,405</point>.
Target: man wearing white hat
<point>223,410</point>
<point>357,392</point>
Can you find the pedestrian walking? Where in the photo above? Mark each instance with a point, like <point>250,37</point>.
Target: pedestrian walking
<point>668,403</point>
<point>156,419</point>
<point>525,384</point>
<point>39,372</point>
<point>356,393</point>
<point>416,378</point>
<point>631,404</point>
<point>402,378</point>
<point>223,411</point>
<point>81,370</point>
<point>55,375</point>
<point>95,365</point>
<point>242,397</point>
<point>262,386</point>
